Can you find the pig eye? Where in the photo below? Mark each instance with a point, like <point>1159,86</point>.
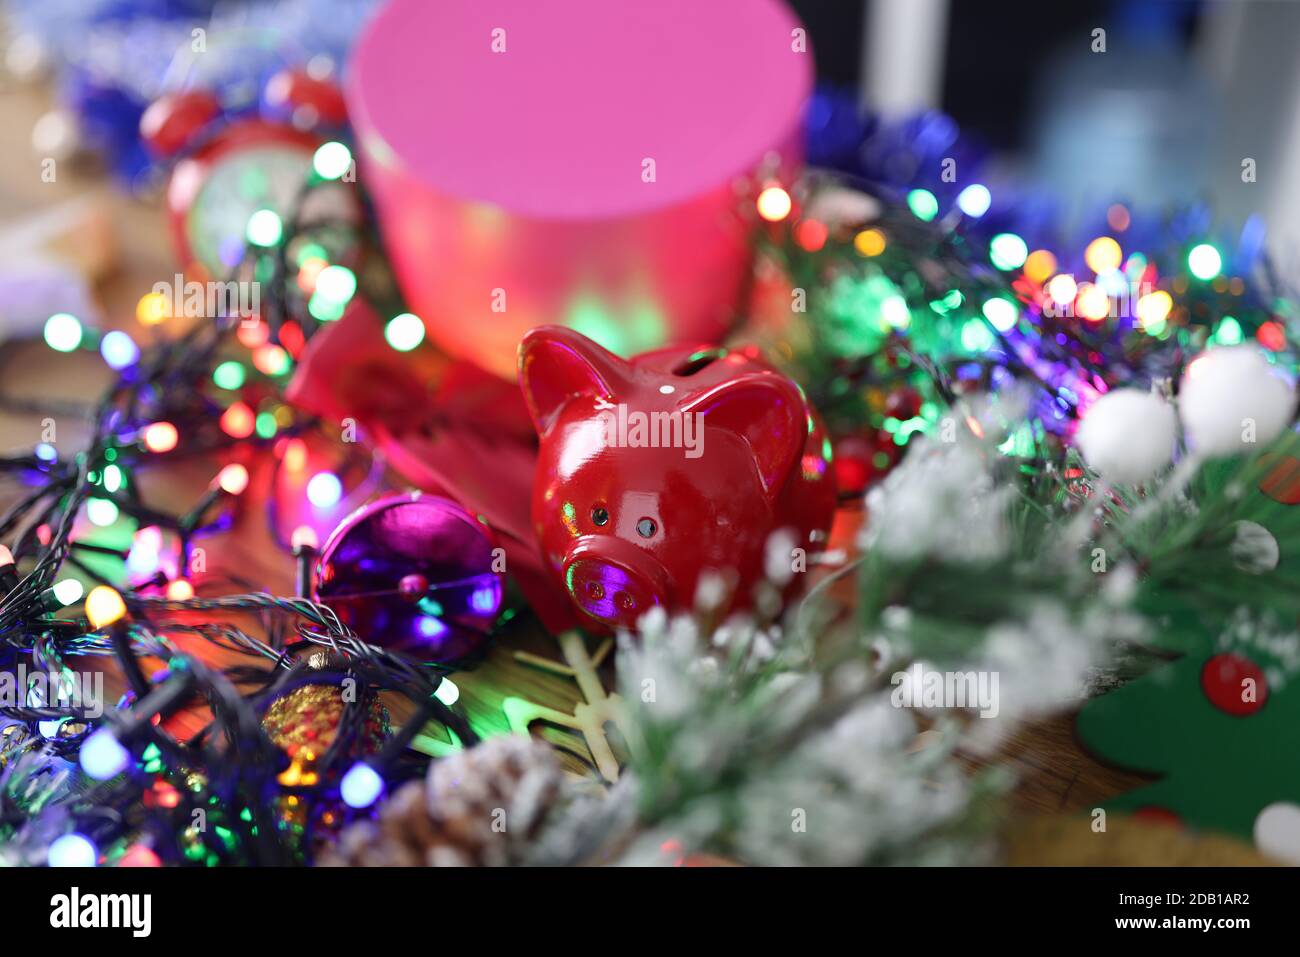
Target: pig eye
<point>646,528</point>
<point>599,515</point>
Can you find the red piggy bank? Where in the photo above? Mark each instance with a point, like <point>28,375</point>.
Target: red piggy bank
<point>654,470</point>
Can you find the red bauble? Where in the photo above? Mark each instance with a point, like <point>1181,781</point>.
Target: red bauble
<point>903,403</point>
<point>654,470</point>
<point>855,466</point>
<point>1223,679</point>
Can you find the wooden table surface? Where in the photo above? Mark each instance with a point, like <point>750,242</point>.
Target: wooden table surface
<point>1054,774</point>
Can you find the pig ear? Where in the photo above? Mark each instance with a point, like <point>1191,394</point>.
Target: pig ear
<point>768,412</point>
<point>556,364</point>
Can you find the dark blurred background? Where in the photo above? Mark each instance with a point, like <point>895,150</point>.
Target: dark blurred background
<point>1184,92</point>
<point>993,51</point>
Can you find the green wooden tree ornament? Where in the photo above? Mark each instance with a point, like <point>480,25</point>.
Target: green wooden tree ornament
<point>1219,726</point>
<point>1224,738</point>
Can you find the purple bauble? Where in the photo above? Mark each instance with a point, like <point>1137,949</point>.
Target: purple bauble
<point>413,573</point>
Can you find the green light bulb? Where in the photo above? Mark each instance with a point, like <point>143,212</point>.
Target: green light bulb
<point>923,204</point>
<point>1204,261</point>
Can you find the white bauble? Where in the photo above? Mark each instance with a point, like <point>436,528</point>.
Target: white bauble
<point>1127,435</point>
<point>1233,400</point>
<point>1277,832</point>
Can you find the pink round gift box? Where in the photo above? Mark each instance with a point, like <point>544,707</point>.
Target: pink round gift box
<point>505,144</point>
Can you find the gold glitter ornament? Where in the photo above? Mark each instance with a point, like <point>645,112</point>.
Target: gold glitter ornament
<point>305,722</point>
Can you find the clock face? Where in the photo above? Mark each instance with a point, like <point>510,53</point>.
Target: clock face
<point>238,184</point>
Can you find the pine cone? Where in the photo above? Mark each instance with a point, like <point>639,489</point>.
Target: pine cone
<point>479,808</point>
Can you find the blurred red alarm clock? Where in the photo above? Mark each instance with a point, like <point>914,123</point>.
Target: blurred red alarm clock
<point>656,469</point>
<point>225,171</point>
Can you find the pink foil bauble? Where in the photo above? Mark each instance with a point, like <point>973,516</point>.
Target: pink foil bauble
<point>574,162</point>
<point>413,573</point>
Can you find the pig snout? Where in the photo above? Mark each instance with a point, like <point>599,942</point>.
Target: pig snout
<point>613,581</point>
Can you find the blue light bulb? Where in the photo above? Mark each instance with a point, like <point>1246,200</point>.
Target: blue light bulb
<point>72,850</point>
<point>974,200</point>
<point>103,756</point>
<point>361,786</point>
<point>119,350</point>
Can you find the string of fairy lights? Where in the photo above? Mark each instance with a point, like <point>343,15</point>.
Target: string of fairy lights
<point>230,771</point>
<point>964,305</point>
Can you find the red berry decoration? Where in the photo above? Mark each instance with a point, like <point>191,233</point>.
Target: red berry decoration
<point>1282,483</point>
<point>1155,814</point>
<point>1233,684</point>
<point>172,122</point>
